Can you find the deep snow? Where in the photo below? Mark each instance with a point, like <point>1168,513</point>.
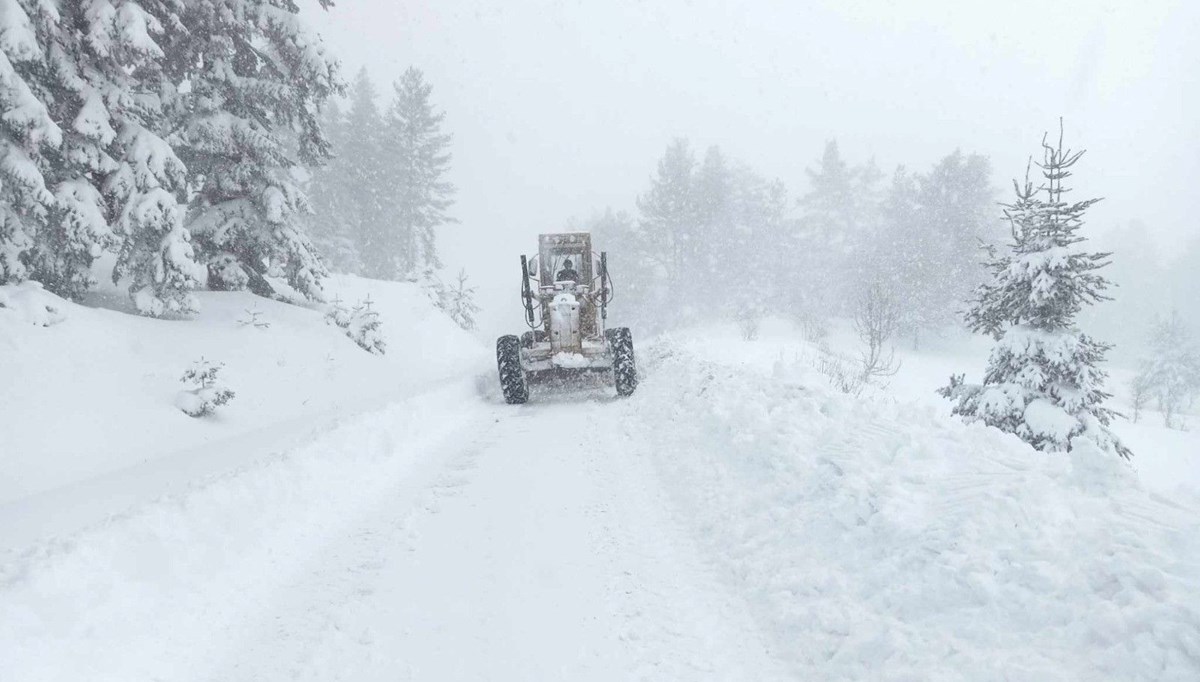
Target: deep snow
<point>88,417</point>
<point>735,519</point>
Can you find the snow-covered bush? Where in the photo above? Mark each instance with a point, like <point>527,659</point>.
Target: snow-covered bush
<point>30,304</point>
<point>1043,381</point>
<point>361,323</point>
<point>207,393</point>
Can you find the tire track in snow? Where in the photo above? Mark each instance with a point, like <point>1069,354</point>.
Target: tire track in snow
<point>540,550</point>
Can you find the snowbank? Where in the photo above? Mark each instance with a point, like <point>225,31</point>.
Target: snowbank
<point>883,540</point>
<point>164,590</point>
<point>94,393</point>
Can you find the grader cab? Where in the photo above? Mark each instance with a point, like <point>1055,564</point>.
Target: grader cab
<point>565,290</point>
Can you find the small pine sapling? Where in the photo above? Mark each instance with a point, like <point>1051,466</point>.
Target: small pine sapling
<point>360,323</point>
<point>253,319</point>
<point>207,393</point>
<point>462,306</point>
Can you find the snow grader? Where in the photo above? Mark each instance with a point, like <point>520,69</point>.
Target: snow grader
<point>565,290</point>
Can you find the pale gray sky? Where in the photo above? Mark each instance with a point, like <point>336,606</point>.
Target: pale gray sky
<point>559,108</point>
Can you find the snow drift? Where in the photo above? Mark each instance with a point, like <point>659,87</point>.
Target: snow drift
<point>879,539</point>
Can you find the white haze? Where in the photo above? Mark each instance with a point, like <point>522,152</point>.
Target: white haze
<point>559,109</point>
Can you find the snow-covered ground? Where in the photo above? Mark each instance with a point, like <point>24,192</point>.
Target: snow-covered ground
<point>88,421</point>
<point>735,519</point>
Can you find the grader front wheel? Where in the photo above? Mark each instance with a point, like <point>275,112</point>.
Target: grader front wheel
<point>512,377</point>
<point>620,344</point>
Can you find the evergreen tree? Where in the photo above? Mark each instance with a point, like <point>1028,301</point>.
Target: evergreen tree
<point>955,198</point>
<point>27,133</point>
<point>335,198</point>
<point>932,227</point>
<point>120,119</point>
<point>714,231</point>
<point>840,219</point>
<point>112,180</point>
<point>247,127</point>
<point>461,302</point>
<point>371,207</point>
<point>1171,373</point>
<point>900,255</point>
<point>668,214</point>
<point>1043,381</point>
<point>421,159</point>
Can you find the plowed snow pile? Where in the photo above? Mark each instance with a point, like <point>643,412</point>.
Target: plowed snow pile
<point>881,540</point>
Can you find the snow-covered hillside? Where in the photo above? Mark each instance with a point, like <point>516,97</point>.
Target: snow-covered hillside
<point>90,413</point>
<point>736,518</point>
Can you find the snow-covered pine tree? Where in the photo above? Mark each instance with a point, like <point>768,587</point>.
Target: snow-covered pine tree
<point>899,256</point>
<point>840,217</point>
<point>1043,382</point>
<point>668,213</point>
<point>27,132</point>
<point>461,302</point>
<point>369,166</point>
<point>955,199</point>
<point>248,126</point>
<point>1171,373</point>
<point>116,144</point>
<point>714,233</point>
<point>333,223</point>
<point>421,162</point>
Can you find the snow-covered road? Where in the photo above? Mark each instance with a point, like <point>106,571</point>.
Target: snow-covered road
<point>533,543</point>
<point>726,522</point>
<point>449,537</point>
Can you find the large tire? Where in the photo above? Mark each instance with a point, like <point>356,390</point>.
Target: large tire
<point>620,344</point>
<point>512,377</point>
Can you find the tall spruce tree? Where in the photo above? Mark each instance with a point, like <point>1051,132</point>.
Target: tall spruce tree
<point>668,214</point>
<point>248,125</point>
<point>366,162</point>
<point>714,232</point>
<point>1044,380</point>
<point>421,162</point>
<point>900,255</point>
<point>27,134</point>
<point>334,197</point>
<point>839,221</point>
<point>955,199</point>
<point>121,117</point>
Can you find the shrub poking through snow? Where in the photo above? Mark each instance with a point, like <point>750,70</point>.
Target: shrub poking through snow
<point>206,393</point>
<point>1044,380</point>
<point>253,318</point>
<point>842,375</point>
<point>361,323</point>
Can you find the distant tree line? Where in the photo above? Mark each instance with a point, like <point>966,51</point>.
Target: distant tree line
<point>378,205</point>
<point>714,239</point>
